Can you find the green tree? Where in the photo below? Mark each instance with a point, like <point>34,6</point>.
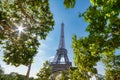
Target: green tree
<point>14,76</point>
<point>22,23</point>
<point>9,77</point>
<point>75,72</point>
<point>69,3</point>
<point>103,17</point>
<point>1,72</point>
<point>112,64</point>
<point>64,75</point>
<point>103,27</point>
<point>45,72</point>
<point>85,58</point>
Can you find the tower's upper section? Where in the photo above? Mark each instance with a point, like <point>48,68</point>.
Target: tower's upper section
<point>62,39</point>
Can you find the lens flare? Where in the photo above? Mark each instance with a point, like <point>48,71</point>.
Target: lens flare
<point>20,29</point>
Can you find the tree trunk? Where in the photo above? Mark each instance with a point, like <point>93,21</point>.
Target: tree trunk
<point>28,72</point>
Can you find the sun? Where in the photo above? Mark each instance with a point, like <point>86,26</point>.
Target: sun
<point>20,29</point>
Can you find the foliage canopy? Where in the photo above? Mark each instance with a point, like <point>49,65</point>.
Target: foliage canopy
<point>103,17</point>
<point>36,20</point>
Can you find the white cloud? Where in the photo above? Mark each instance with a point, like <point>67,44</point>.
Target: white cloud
<point>51,58</point>
<point>8,68</point>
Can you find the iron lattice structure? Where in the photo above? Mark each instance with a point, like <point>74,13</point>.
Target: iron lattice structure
<point>61,61</point>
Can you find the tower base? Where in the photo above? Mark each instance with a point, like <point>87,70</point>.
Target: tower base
<point>60,67</point>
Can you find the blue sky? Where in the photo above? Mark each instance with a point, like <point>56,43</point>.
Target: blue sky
<point>47,50</point>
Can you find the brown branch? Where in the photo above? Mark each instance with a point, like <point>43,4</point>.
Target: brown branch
<point>5,26</point>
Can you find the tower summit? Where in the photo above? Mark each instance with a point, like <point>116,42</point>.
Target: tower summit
<point>61,61</point>
<point>62,39</point>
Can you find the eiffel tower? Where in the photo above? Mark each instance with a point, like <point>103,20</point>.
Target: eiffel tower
<point>61,61</point>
